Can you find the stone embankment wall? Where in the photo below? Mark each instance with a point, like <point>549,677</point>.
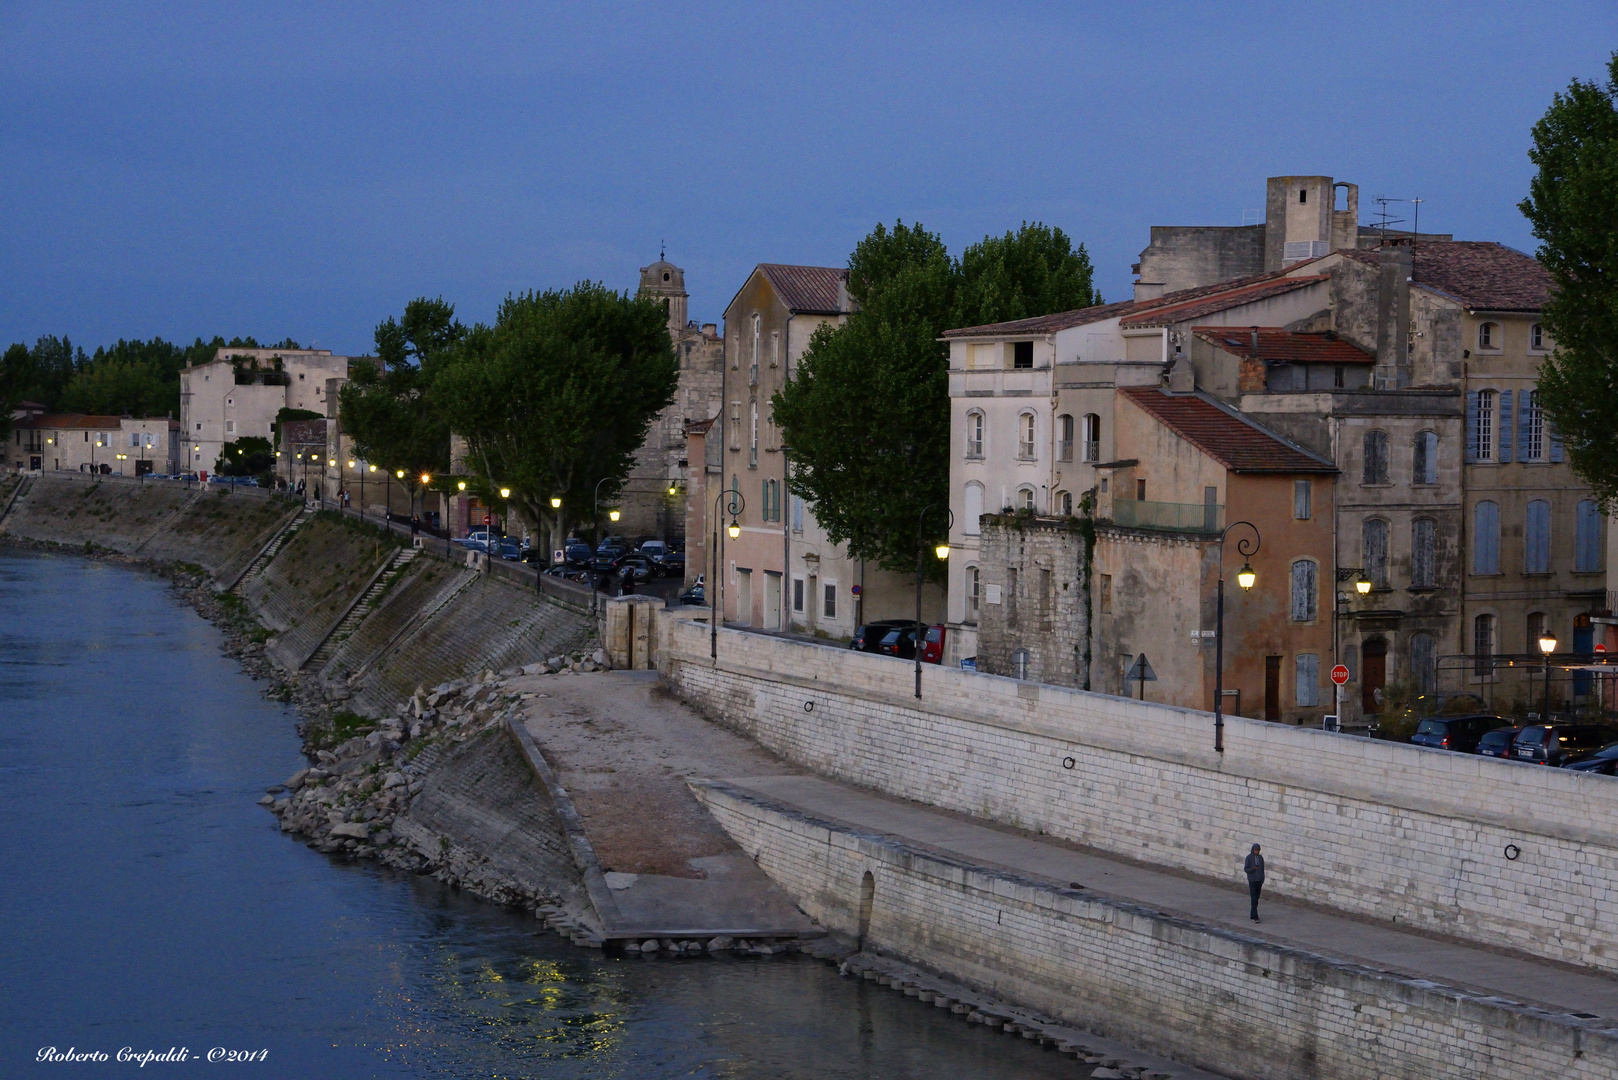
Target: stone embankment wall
<point>1493,851</point>
<point>1202,994</point>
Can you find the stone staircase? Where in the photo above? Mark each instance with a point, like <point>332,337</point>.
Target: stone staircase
<point>262,559</point>
<point>19,494</point>
<point>359,609</point>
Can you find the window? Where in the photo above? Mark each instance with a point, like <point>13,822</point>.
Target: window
<point>103,439</point>
<point>735,425</point>
<point>1302,500</point>
<point>1538,340</point>
<point>974,434</point>
<point>1489,336</point>
<point>1064,438</point>
<point>1092,437</point>
<point>1533,428</point>
<point>829,608</point>
<point>797,516</point>
<point>1303,590</point>
<point>1536,538</point>
<point>1374,551</point>
<point>1587,538</point>
<point>1140,490</point>
<point>1486,538</point>
<point>1482,644</point>
<point>972,511</point>
<point>1022,354</point>
<point>797,594</point>
<point>1064,503</point>
<point>134,438</point>
<point>1536,630</point>
<point>1423,553</point>
<point>1303,196</point>
<point>1025,498</point>
<point>974,593</point>
<point>1106,594</point>
<point>1025,436</point>
<point>1424,460</point>
<point>752,438</point>
<point>1337,382</point>
<point>758,323</point>
<point>771,494</point>
<point>1480,425</point>
<point>1308,680</point>
<point>1423,663</point>
<point>230,427</point>
<point>1376,457</point>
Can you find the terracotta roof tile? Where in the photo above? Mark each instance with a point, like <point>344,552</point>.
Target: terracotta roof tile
<point>1478,273</point>
<point>809,290</point>
<point>1287,346</point>
<point>74,421</point>
<point>1234,295</point>
<point>1233,440</point>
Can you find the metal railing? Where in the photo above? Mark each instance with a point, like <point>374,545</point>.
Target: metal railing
<point>1170,517</point>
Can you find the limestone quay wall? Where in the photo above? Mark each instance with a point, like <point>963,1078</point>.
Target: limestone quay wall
<point>1509,854</point>
<point>1210,997</point>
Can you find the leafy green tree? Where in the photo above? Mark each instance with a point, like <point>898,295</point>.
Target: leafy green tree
<point>867,415</point>
<point>251,455</point>
<point>557,395</point>
<point>1573,205</point>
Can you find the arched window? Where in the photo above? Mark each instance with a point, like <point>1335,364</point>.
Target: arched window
<point>1064,503</point>
<point>1374,551</point>
<point>1424,460</point>
<point>1423,663</point>
<point>972,512</point>
<point>1482,644</point>
<point>1025,498</point>
<point>974,434</point>
<point>1064,438</point>
<point>974,587</point>
<point>1536,538</point>
<point>1423,553</point>
<point>1091,450</point>
<point>1489,336</point>
<point>1304,603</point>
<point>1486,538</point>
<point>1376,457</point>
<point>1587,538</point>
<point>1025,436</point>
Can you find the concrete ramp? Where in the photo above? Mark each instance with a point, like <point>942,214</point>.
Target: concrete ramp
<point>616,753</point>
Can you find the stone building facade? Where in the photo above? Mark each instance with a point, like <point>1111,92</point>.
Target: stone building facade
<point>1033,613</point>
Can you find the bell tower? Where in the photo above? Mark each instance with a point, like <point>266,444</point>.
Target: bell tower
<point>664,282</point>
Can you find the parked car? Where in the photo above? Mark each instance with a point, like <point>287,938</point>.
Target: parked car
<point>509,549</point>
<point>1603,761</point>
<point>673,564</point>
<point>1458,733</point>
<point>932,650</point>
<point>899,641</point>
<point>615,542</point>
<point>654,549</point>
<point>867,638</point>
<point>639,569</point>
<point>1498,743</point>
<point>1553,744</point>
<point>576,553</point>
<point>696,594</point>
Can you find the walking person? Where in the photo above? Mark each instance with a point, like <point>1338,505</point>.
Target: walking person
<point>1254,867</point>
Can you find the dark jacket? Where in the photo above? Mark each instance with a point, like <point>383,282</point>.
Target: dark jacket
<point>1254,866</point>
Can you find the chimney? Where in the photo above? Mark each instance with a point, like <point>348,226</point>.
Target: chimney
<point>1148,290</point>
<point>842,292</point>
<point>1254,330</point>
<point>1394,267</point>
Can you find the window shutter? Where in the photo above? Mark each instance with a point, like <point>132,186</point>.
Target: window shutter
<point>1505,427</point>
<point>1556,441</point>
<point>1587,538</point>
<point>1525,415</point>
<point>1486,538</point>
<point>1308,680</point>
<point>1537,538</point>
<point>1471,426</point>
<point>1423,552</point>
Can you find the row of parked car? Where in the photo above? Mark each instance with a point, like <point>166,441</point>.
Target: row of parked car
<point>615,555</point>
<point>1585,747</point>
<point>897,637</point>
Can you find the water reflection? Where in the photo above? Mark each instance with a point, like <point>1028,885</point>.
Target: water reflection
<point>149,902</point>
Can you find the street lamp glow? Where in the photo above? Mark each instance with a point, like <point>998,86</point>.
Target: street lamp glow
<point>331,462</point>
<point>1362,585</point>
<point>350,463</point>
<point>426,477</point>
<point>460,486</point>
<point>735,530</point>
<point>556,502</point>
<point>1547,643</point>
<point>942,551</point>
<point>673,490</point>
<point>613,515</point>
<point>1245,577</point>
<point>372,468</point>
<point>400,474</point>
<point>505,493</point>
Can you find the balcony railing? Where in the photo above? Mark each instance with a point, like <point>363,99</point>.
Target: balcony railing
<point>1170,517</point>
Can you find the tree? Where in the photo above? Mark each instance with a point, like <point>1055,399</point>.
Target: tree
<point>1573,206</point>
<point>387,407</point>
<point>557,395</point>
<point>251,455</point>
<point>867,415</point>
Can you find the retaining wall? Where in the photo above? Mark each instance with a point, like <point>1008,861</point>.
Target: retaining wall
<point>1201,994</point>
<point>1493,851</point>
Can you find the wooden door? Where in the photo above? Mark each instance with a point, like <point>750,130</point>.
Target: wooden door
<point>1373,674</point>
<point>1272,688</point>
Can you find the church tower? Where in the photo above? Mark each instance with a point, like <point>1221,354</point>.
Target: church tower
<point>665,282</point>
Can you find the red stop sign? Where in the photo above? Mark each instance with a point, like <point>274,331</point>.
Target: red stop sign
<point>488,519</point>
<point>1339,674</point>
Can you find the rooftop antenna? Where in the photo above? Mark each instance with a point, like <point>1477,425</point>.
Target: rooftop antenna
<point>662,247</point>
<point>1415,231</point>
<point>1382,225</point>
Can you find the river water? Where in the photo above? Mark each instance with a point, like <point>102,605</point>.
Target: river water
<point>147,901</point>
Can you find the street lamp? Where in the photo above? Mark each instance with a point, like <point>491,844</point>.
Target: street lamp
<point>1246,578</point>
<point>734,530</point>
<point>1547,645</point>
<point>941,550</point>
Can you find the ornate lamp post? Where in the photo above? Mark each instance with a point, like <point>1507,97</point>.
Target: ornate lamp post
<point>734,530</point>
<point>941,550</point>
<point>1547,645</point>
<point>1246,578</point>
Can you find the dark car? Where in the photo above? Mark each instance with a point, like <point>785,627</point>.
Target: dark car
<point>1459,733</point>
<point>1553,744</point>
<point>637,567</point>
<point>510,549</point>
<point>1602,761</point>
<point>1498,743</point>
<point>696,594</point>
<point>673,564</point>
<point>899,641</point>
<point>868,637</point>
<point>576,553</point>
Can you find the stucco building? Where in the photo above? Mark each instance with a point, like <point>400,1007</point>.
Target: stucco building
<point>79,442</point>
<point>240,392</point>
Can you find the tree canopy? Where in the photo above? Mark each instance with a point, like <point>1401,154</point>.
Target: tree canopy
<point>1573,205</point>
<point>387,406</point>
<point>866,416</point>
<point>557,395</point>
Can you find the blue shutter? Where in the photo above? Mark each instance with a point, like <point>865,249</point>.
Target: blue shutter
<point>1587,538</point>
<point>1556,441</point>
<point>1505,427</point>
<point>1525,414</point>
<point>1486,538</point>
<point>1471,426</point>
<point>1537,538</point>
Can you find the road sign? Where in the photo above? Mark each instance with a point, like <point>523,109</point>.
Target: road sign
<point>1339,674</point>
<point>856,590</point>
<point>558,555</point>
<point>488,519</point>
<point>1141,670</point>
<point>1600,647</point>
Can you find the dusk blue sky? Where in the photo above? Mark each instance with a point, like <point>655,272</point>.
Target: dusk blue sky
<point>304,170</point>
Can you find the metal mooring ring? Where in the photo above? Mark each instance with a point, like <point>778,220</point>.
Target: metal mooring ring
<point>808,706</point>
<point>1068,763</point>
<point>1512,851</point>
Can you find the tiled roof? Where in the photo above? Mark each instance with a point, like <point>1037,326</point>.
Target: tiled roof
<point>1045,324</point>
<point>73,421</point>
<point>1233,295</point>
<point>809,290</point>
<point>1286,346</point>
<point>1233,440</point>
<point>1478,273</point>
<point>699,427</point>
